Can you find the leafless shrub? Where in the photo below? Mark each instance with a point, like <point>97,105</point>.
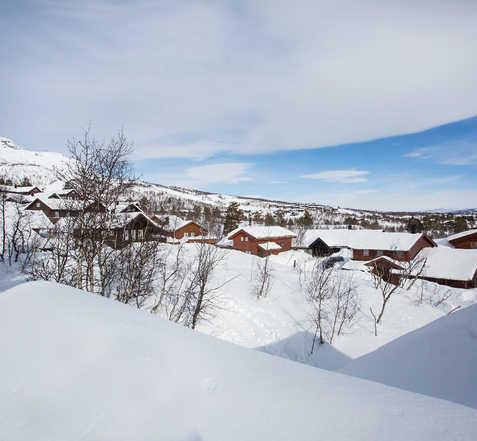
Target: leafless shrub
<point>261,283</point>
<point>186,292</point>
<point>334,302</point>
<point>136,272</point>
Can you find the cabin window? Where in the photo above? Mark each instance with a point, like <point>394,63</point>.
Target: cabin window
<point>246,239</point>
<point>379,253</point>
<point>140,234</point>
<point>365,252</point>
<point>38,205</point>
<point>57,213</point>
<point>473,244</point>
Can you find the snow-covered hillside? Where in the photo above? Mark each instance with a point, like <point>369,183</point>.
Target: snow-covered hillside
<point>78,366</point>
<point>439,359</point>
<point>17,164</point>
<point>280,323</point>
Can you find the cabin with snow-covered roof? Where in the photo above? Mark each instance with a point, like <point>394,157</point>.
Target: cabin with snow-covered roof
<point>178,228</point>
<point>261,240</point>
<point>449,266</point>
<point>134,227</point>
<point>24,191</point>
<point>465,239</point>
<point>366,245</point>
<point>55,209</point>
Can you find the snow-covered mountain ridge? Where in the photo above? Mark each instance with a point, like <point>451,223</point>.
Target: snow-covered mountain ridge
<point>39,167</point>
<point>18,163</point>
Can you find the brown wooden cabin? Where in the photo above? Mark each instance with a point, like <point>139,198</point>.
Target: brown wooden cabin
<point>70,194</point>
<point>465,284</point>
<point>385,268</point>
<point>178,228</point>
<point>402,255</point>
<point>464,240</point>
<point>366,245</point>
<point>262,241</point>
<point>190,229</point>
<point>55,209</point>
<point>138,229</point>
<point>319,248</point>
<point>25,191</point>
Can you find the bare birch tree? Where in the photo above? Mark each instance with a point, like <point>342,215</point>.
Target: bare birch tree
<point>261,282</point>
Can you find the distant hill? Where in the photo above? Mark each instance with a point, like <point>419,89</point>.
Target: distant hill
<point>17,163</point>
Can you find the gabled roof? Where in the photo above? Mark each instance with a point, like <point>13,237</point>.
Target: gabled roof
<point>263,232</point>
<point>461,235</point>
<point>60,204</point>
<point>449,263</point>
<point>124,219</point>
<point>393,263</point>
<point>12,189</point>
<point>124,207</point>
<point>57,204</point>
<point>364,239</point>
<point>173,223</point>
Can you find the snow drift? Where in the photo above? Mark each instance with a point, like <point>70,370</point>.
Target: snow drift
<point>77,366</point>
<point>439,359</point>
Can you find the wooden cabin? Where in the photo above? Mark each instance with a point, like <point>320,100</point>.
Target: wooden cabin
<point>464,240</point>
<point>64,194</point>
<point>25,191</point>
<point>55,209</point>
<point>450,266</point>
<point>261,241</point>
<point>386,268</point>
<point>366,245</point>
<point>178,228</point>
<point>135,227</point>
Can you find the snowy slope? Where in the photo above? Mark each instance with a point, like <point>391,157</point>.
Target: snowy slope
<point>76,366</point>
<point>17,163</point>
<point>280,323</point>
<point>439,359</point>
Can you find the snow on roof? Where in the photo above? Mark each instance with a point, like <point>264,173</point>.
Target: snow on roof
<point>124,218</point>
<point>268,246</point>
<point>363,239</point>
<point>449,263</point>
<point>263,232</point>
<point>393,262</point>
<point>12,189</point>
<point>173,222</point>
<point>58,204</point>
<point>461,234</point>
<point>122,206</point>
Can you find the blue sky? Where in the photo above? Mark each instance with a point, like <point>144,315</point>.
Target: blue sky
<point>436,168</point>
<point>245,97</point>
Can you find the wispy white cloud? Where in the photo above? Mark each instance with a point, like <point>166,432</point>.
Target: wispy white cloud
<point>455,153</point>
<point>340,176</point>
<point>225,172</point>
<point>260,77</point>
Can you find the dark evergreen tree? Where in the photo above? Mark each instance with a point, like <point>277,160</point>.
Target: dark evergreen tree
<point>269,219</point>
<point>233,216</point>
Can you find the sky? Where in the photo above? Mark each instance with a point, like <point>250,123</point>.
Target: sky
<point>309,100</point>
